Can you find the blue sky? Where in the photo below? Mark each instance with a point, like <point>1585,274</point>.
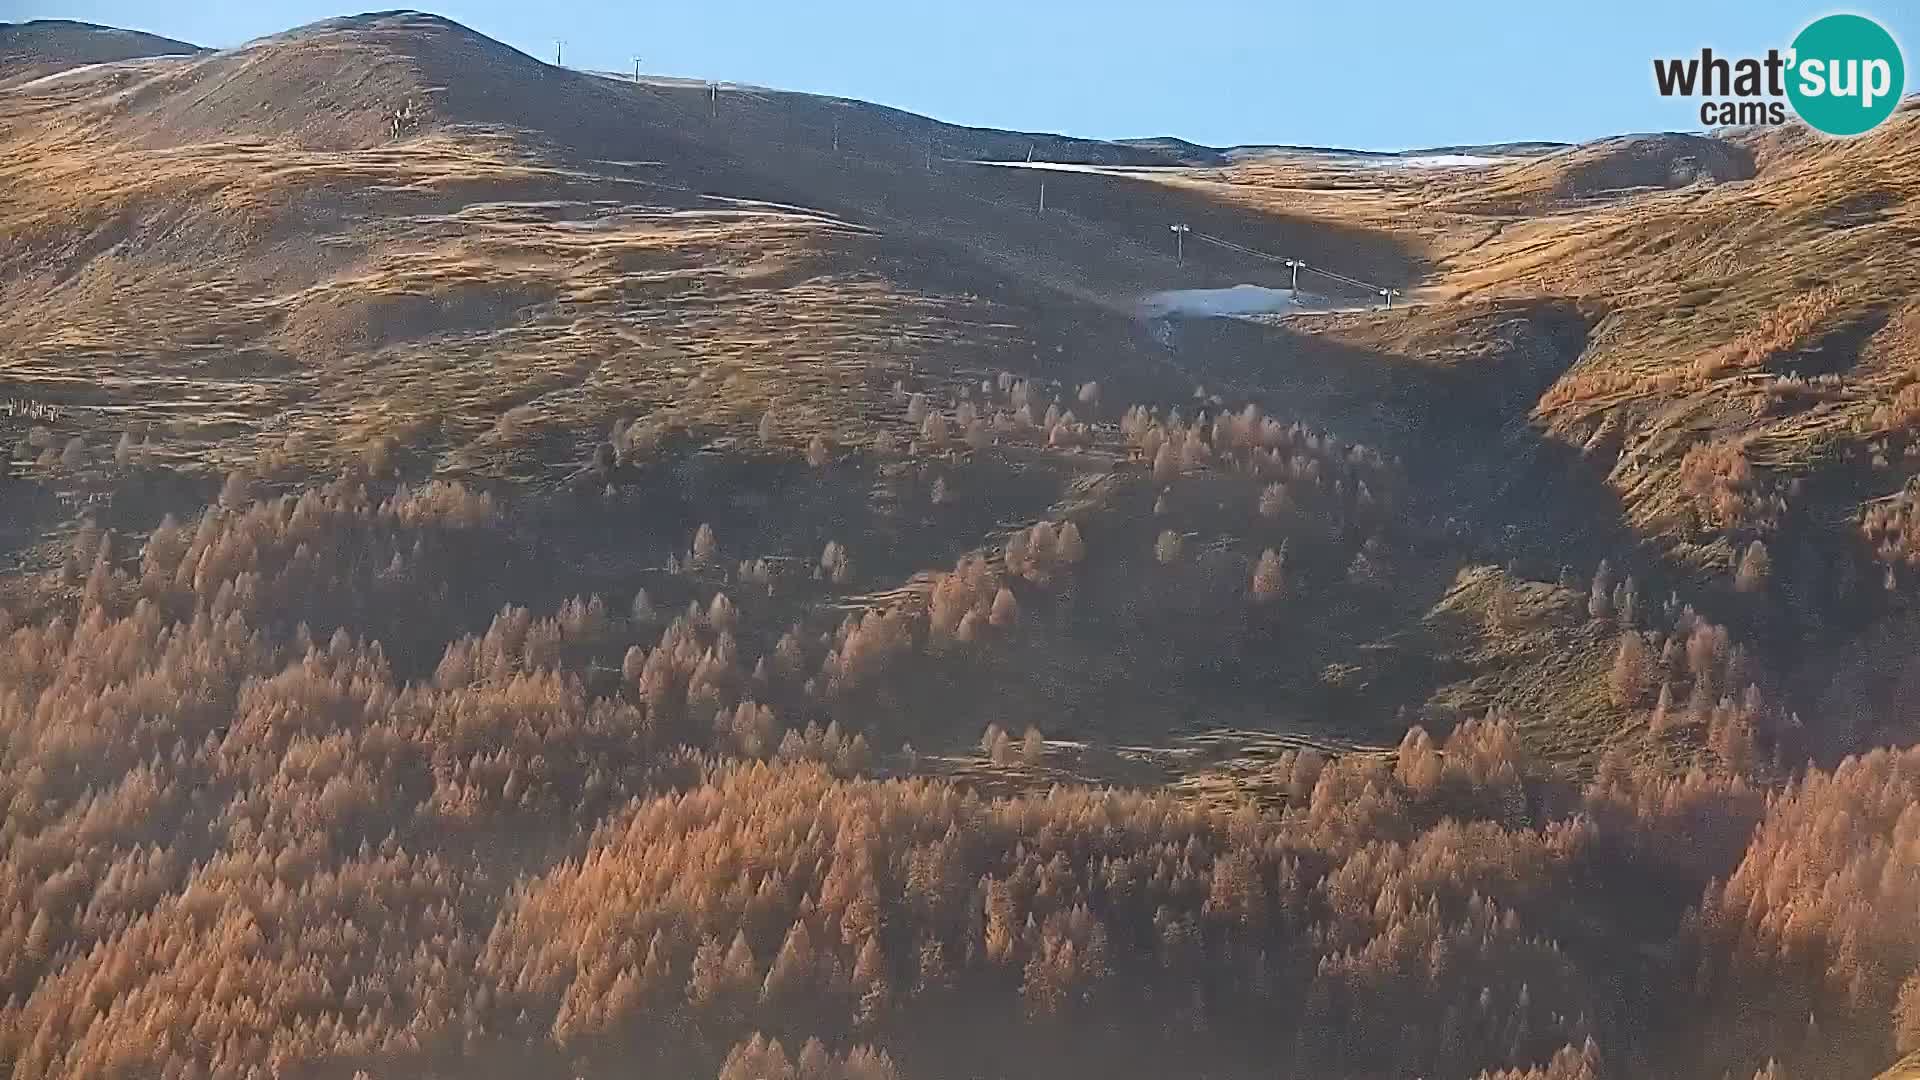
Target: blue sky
<point>1391,74</point>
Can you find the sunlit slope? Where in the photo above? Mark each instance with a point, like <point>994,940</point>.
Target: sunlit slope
<point>391,227</point>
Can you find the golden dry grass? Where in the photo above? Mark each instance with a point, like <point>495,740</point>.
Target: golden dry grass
<point>1907,1068</point>
<point>1775,312</point>
<point>427,289</point>
<point>532,254</point>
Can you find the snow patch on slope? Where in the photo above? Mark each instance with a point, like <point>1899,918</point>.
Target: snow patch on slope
<point>1436,161</point>
<point>1210,303</point>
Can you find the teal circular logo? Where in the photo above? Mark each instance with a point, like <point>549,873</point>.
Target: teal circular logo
<point>1846,76</point>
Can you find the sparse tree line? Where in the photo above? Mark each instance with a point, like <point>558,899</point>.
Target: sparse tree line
<point>1008,410</point>
<point>1303,475</point>
<point>1305,483</point>
<point>1352,484</point>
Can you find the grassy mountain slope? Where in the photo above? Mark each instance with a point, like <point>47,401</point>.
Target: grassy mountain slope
<point>42,47</point>
<point>512,570</point>
<point>376,194</point>
<point>387,236</point>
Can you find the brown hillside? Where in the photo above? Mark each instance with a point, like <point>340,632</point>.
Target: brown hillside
<point>379,192</point>
<point>41,47</point>
<point>490,294</point>
<point>1611,168</point>
<point>1907,1068</point>
<point>507,571</point>
<point>1743,376</point>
